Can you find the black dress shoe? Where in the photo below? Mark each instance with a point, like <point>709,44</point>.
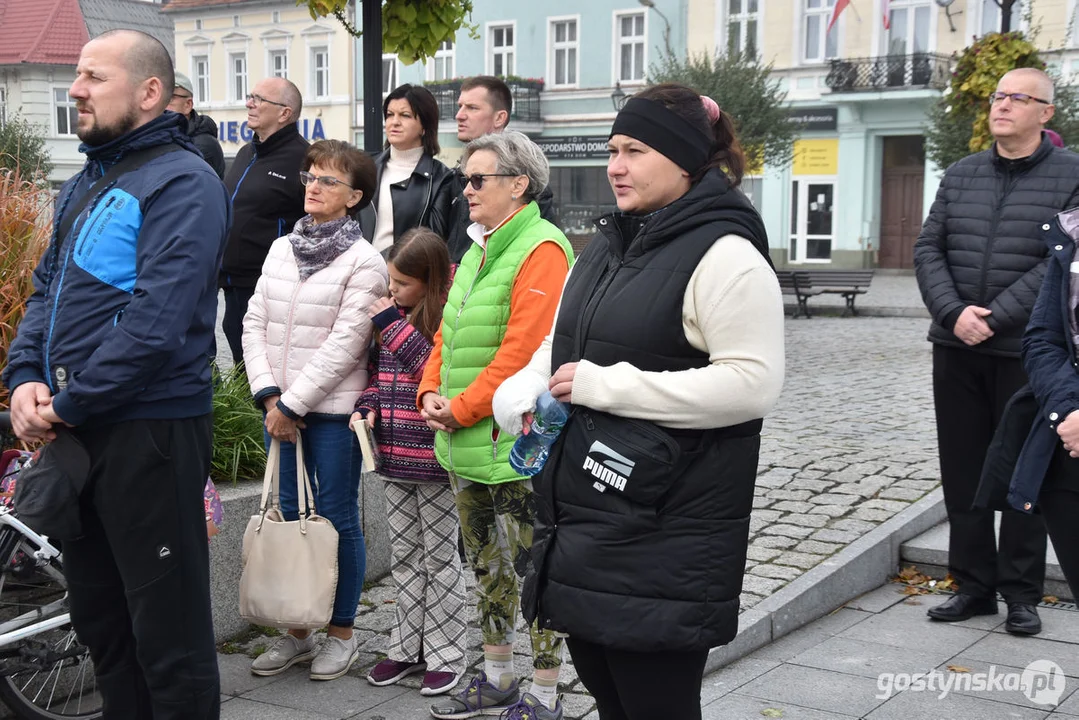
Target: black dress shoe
<point>963,607</point>
<point>1023,619</point>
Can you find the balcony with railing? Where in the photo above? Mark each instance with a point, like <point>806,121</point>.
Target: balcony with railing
<point>889,72</point>
<point>526,98</point>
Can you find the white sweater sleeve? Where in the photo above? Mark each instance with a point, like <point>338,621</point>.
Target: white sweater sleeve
<point>733,310</point>
<point>517,394</point>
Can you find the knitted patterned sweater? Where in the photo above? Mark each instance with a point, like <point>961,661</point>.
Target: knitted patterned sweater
<point>405,442</point>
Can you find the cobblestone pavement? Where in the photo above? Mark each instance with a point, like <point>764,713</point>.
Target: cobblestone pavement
<point>851,444</point>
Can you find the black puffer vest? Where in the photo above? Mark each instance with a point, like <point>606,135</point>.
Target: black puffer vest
<point>641,531</point>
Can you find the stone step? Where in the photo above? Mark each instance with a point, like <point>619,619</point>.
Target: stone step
<point>928,552</point>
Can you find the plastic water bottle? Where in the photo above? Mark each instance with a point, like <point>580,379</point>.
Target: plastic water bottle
<point>530,451</point>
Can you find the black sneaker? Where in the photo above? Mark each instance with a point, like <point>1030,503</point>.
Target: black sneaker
<point>479,698</point>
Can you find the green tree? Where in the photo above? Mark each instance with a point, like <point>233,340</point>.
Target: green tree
<point>413,29</point>
<point>959,122</point>
<point>22,148</point>
<point>745,89</point>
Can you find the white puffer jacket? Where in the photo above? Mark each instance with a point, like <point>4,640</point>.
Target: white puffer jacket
<point>310,339</point>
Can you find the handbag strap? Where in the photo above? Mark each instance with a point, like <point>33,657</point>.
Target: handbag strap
<point>305,498</point>
<point>270,477</point>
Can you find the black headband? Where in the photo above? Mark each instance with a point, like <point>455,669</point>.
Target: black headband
<point>665,131</point>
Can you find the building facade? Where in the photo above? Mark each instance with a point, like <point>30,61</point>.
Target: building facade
<point>860,184</point>
<point>226,47</point>
<point>568,64</point>
<point>40,42</point>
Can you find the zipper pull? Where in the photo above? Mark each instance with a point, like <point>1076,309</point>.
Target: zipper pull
<point>588,422</point>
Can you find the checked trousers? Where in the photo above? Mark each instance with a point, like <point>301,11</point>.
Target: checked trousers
<point>427,572</point>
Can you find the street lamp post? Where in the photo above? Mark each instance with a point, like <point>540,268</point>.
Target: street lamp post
<point>651,5</point>
<point>618,96</point>
<point>372,75</point>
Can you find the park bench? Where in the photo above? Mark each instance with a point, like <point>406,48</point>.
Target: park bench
<point>804,284</point>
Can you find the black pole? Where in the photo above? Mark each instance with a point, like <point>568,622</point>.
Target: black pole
<point>372,75</point>
<point>1006,15</point>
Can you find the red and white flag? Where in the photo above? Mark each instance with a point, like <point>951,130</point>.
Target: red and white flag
<point>886,7</point>
<point>840,6</point>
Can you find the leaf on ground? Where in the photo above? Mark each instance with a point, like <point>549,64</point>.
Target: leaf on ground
<point>1050,599</point>
<point>772,712</point>
<point>912,601</point>
<point>958,669</point>
<point>914,590</point>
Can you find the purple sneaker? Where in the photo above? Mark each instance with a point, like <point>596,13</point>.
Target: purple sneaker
<point>389,671</point>
<point>436,683</point>
<point>530,708</point>
<point>479,698</point>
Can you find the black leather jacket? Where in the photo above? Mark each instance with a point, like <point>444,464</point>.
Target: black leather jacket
<point>423,198</point>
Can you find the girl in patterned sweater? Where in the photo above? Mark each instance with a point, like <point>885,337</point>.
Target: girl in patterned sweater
<point>429,634</point>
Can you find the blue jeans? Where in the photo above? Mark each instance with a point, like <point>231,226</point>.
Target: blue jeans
<point>332,457</point>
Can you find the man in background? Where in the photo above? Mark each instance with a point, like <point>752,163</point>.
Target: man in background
<point>201,128</point>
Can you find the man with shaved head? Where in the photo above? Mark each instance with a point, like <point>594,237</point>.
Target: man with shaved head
<point>980,259</point>
<point>111,355</point>
<point>267,197</point>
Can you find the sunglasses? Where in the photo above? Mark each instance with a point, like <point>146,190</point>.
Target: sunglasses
<point>476,179</point>
<point>1020,98</point>
<point>325,181</point>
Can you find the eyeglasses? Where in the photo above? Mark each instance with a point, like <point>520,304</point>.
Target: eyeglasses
<point>476,179</point>
<point>258,100</point>
<point>1019,98</point>
<point>325,181</point>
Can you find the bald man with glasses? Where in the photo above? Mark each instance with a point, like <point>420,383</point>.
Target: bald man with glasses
<point>980,260</point>
<point>267,196</point>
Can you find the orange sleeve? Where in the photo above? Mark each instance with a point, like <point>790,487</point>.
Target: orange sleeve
<point>432,372</point>
<point>533,303</point>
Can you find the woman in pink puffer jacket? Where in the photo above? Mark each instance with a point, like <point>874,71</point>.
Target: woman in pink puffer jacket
<point>305,338</point>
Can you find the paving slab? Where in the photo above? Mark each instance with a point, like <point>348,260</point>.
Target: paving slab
<point>742,707</point>
<point>964,671</point>
<point>344,697</point>
<point>816,689</point>
<point>241,709</point>
<point>867,659</point>
<point>734,676</point>
<point>908,705</point>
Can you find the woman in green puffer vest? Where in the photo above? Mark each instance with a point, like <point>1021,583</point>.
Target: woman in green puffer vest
<point>500,307</point>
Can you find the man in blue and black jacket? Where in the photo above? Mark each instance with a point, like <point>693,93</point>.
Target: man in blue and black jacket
<point>115,345</point>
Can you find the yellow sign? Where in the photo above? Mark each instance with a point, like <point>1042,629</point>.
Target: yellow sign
<point>816,157</point>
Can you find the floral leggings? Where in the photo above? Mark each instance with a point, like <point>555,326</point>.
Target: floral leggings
<point>496,524</point>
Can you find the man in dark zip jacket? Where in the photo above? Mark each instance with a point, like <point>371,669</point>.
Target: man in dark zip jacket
<point>267,196</point>
<point>201,128</point>
<point>113,351</point>
<point>980,261</point>
<point>483,107</point>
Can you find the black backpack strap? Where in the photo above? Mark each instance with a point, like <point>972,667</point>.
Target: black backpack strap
<point>131,161</point>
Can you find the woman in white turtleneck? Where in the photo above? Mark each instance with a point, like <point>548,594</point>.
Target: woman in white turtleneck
<point>414,188</point>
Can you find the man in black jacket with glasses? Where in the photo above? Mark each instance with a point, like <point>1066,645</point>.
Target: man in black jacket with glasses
<point>267,197</point>
<point>980,261</point>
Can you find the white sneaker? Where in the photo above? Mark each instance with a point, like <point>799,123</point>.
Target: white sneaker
<point>335,658</point>
<point>285,652</point>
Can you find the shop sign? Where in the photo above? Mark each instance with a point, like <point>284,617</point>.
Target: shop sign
<point>816,157</point>
<point>573,147</point>
<point>816,118</point>
<point>233,131</point>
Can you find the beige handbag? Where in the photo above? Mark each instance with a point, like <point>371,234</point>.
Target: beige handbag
<point>289,568</point>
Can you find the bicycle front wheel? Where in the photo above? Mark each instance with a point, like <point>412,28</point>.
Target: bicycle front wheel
<point>48,675</point>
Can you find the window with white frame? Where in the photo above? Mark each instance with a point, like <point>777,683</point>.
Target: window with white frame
<point>198,24</point>
<point>818,44</point>
<point>389,73</point>
<point>742,23</point>
<point>991,16</point>
<point>279,63</point>
<point>238,77</point>
<point>501,49</point>
<point>630,49</point>
<point>440,67</point>
<point>564,53</point>
<point>908,27</point>
<point>320,72</point>
<point>200,76</point>
<point>235,21</point>
<point>67,116</point>
<point>275,17</point>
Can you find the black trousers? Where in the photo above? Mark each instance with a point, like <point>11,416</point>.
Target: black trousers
<point>1059,505</point>
<point>232,324</point>
<point>139,578</point>
<point>640,686</point>
<point>970,391</point>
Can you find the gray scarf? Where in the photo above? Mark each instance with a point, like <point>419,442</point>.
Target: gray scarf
<point>317,245</point>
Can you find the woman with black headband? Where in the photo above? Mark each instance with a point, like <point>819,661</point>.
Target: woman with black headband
<point>668,343</point>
